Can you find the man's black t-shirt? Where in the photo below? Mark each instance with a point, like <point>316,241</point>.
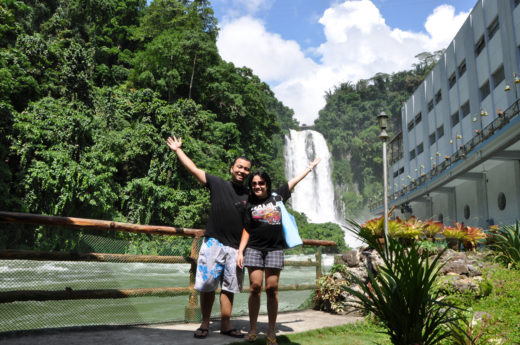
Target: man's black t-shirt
<point>264,222</point>
<point>228,202</point>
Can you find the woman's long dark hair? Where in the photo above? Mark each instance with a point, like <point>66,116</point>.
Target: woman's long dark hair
<point>263,175</point>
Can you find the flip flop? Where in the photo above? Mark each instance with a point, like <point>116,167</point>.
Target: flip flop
<point>251,337</point>
<point>233,332</point>
<point>201,333</point>
<point>270,341</point>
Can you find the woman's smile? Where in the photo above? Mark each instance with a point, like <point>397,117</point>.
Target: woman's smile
<point>259,187</point>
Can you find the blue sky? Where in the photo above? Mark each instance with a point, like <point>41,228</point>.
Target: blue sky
<point>303,48</point>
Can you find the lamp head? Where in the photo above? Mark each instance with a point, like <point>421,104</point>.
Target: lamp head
<point>382,119</point>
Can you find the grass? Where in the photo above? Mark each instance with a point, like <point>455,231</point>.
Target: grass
<point>503,304</point>
<point>361,333</point>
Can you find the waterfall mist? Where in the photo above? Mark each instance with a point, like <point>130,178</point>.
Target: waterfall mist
<point>314,195</point>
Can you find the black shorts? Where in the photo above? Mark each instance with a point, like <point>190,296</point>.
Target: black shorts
<point>263,259</point>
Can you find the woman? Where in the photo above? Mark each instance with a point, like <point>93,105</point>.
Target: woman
<point>264,239</point>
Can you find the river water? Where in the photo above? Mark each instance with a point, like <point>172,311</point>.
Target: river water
<point>58,275</point>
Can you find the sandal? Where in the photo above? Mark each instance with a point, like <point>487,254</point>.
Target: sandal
<point>201,333</point>
<point>233,332</point>
<point>270,341</point>
<point>251,337</point>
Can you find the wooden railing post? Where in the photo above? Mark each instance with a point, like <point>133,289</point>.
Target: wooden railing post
<point>192,312</point>
<point>318,263</point>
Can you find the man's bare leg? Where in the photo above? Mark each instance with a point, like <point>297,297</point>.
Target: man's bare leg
<point>226,307</point>
<point>206,304</point>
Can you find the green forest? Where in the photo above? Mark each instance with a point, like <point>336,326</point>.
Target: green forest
<point>349,124</point>
<point>90,90</point>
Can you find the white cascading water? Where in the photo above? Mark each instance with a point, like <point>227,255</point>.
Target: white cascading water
<point>314,195</point>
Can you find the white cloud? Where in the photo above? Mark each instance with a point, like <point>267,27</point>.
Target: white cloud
<point>245,42</point>
<point>436,25</point>
<point>358,45</point>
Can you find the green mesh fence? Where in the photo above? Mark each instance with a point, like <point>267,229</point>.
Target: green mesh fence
<point>22,275</point>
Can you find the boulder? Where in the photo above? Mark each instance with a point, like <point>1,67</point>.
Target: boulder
<point>351,258</point>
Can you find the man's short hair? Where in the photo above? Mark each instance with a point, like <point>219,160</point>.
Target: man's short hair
<point>240,157</point>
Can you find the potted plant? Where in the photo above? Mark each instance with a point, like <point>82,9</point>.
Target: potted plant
<point>473,234</point>
<point>375,226</point>
<point>431,228</point>
<point>410,230</point>
<point>454,235</point>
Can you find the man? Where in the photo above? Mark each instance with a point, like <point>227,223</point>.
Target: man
<point>217,256</point>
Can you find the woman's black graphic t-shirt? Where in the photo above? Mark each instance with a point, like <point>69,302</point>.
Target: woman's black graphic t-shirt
<point>264,222</point>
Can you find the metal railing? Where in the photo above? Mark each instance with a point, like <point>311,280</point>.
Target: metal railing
<point>191,311</point>
<point>461,153</point>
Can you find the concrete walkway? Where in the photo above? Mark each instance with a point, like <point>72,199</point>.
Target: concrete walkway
<point>179,334</point>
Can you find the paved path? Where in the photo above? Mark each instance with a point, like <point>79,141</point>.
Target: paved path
<point>180,334</point>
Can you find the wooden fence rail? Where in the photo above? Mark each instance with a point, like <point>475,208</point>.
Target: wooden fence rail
<point>192,311</point>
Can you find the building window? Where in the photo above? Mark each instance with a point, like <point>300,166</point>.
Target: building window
<point>420,148</point>
<point>396,173</point>
<point>493,28</point>
<point>454,118</point>
<point>412,154</point>
<point>401,170</point>
<point>484,90</point>
<point>467,212</point>
<point>432,138</point>
<point>501,200</point>
<point>480,45</point>
<point>430,105</point>
<point>440,132</point>
<point>438,97</point>
<point>418,118</point>
<point>516,2</point>
<point>441,216</point>
<point>465,109</point>
<point>410,125</point>
<point>453,78</point>
<point>498,76</point>
<point>462,68</point>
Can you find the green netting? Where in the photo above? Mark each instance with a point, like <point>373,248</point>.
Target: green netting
<point>52,275</point>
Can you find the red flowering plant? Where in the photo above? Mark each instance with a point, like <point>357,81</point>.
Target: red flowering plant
<point>431,228</point>
<point>472,235</point>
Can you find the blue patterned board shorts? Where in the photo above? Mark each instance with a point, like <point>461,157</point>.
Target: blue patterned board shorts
<point>217,263</point>
<point>263,259</point>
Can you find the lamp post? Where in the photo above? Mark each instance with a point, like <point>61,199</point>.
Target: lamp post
<point>479,117</point>
<point>516,81</point>
<point>382,119</point>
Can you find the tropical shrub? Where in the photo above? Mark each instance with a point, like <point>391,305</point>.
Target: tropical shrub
<point>507,245</point>
<point>471,236</point>
<point>453,232</point>
<point>431,228</point>
<point>401,294</point>
<point>329,291</point>
<point>375,226</point>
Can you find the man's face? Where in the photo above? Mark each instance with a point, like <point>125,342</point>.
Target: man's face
<point>240,170</point>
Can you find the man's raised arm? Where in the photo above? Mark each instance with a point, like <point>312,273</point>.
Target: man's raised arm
<point>175,145</point>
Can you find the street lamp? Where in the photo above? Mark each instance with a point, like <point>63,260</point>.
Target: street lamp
<point>382,119</point>
<point>479,117</point>
<point>516,80</point>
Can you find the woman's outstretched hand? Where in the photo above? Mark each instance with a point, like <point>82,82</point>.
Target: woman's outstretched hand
<point>174,143</point>
<point>314,163</point>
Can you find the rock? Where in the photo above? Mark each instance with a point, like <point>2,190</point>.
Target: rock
<point>473,271</point>
<point>466,284</point>
<point>456,267</point>
<point>351,258</point>
<point>337,276</point>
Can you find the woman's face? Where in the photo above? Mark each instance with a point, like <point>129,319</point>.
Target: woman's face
<point>259,187</point>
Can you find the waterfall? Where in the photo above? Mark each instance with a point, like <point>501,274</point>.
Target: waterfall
<point>314,195</point>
